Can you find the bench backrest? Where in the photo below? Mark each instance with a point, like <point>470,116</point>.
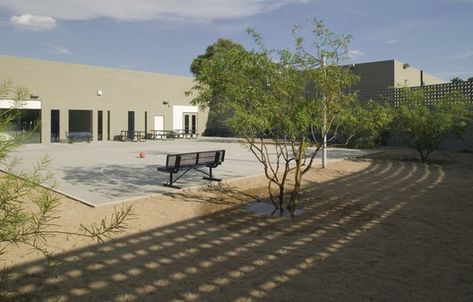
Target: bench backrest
<point>194,159</point>
<point>78,134</point>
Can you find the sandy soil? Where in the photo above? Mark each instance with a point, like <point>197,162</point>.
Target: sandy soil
<point>381,228</point>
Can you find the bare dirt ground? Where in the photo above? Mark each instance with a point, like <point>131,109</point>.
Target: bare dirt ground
<point>380,228</point>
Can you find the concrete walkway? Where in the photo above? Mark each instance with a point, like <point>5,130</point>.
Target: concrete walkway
<point>101,173</point>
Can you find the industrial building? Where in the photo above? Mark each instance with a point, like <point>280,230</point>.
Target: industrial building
<point>391,74</point>
<point>102,101</point>
<point>105,102</point>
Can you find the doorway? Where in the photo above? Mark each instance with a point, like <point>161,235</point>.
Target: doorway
<point>55,126</point>
<point>100,125</point>
<point>131,125</point>
<point>80,121</point>
<point>190,123</point>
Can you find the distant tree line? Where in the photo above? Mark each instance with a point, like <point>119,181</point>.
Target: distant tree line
<point>459,80</point>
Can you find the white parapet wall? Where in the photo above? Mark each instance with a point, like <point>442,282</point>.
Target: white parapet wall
<point>9,104</point>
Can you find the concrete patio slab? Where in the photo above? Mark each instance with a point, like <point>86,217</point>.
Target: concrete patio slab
<point>101,173</point>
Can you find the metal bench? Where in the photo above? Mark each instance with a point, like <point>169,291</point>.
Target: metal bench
<point>77,136</point>
<point>184,162</point>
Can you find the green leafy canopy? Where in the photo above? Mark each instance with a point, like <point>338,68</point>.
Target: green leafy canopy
<point>423,127</point>
<point>290,98</point>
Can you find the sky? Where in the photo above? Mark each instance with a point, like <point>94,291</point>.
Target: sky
<point>164,36</point>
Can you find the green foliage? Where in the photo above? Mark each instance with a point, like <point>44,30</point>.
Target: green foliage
<point>328,81</point>
<point>216,120</point>
<point>423,127</point>
<point>107,228</point>
<point>365,122</point>
<point>456,80</point>
<point>288,98</point>
<point>28,210</point>
<point>17,95</point>
<point>219,47</point>
<point>18,225</point>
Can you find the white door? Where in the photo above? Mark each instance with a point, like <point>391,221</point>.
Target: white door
<point>158,122</point>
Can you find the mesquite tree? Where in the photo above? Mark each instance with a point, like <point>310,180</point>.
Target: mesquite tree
<point>424,126</point>
<point>281,102</point>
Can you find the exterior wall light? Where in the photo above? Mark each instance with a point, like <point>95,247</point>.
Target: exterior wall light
<point>165,102</point>
<point>99,92</point>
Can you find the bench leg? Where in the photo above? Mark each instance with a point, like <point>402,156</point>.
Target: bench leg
<point>210,177</point>
<point>170,183</point>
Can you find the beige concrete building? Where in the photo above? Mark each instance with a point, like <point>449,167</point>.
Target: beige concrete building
<point>105,102</point>
<point>391,74</point>
<point>99,100</point>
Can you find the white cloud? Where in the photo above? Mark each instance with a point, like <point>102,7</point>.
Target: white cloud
<point>57,50</point>
<point>355,53</point>
<point>32,22</point>
<point>127,10</point>
<point>392,41</point>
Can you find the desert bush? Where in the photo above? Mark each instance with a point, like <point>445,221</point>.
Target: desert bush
<point>28,207</point>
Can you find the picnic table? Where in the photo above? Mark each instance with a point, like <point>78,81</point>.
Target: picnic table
<point>186,133</point>
<point>133,136</point>
<point>162,134</point>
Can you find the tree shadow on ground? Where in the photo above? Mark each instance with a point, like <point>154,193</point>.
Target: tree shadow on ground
<point>354,241</point>
<point>125,181</point>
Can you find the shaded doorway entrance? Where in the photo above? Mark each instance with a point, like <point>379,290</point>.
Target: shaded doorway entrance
<point>100,125</point>
<point>55,123</point>
<point>131,125</point>
<point>24,122</point>
<point>80,121</point>
<point>190,123</point>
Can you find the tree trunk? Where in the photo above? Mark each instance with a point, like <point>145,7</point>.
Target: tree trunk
<point>297,179</point>
<point>422,156</point>
<point>281,198</point>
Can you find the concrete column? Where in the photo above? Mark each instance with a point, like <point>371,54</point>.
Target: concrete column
<point>45,125</point>
<point>95,114</point>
